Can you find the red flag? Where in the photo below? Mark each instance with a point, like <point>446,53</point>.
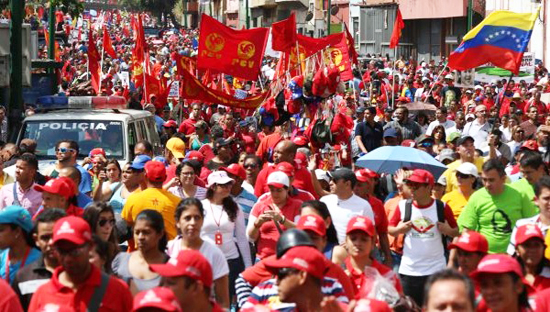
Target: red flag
<point>184,63</point>
<point>396,34</point>
<point>193,89</point>
<point>152,86</point>
<point>284,34</point>
<point>138,53</point>
<point>126,31</point>
<point>93,62</point>
<point>338,54</point>
<point>79,34</point>
<point>108,44</point>
<point>235,52</point>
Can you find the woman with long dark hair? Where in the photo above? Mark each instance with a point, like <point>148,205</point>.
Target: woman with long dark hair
<point>530,249</point>
<point>101,218</point>
<point>184,185</point>
<point>224,225</point>
<point>150,239</point>
<point>190,216</point>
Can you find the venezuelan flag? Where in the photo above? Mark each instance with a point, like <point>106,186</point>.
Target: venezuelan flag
<point>501,38</point>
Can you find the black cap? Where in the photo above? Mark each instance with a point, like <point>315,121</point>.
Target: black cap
<point>292,238</point>
<point>361,109</point>
<point>463,139</point>
<point>423,138</point>
<point>343,174</point>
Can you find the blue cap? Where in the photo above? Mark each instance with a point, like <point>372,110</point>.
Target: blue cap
<point>139,162</point>
<point>17,215</point>
<point>390,133</point>
<point>161,159</point>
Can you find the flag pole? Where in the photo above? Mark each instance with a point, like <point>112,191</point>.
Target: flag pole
<point>392,106</point>
<point>101,66</point>
<point>499,102</point>
<point>437,78</point>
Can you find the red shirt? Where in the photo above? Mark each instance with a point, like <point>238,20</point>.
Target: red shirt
<point>302,181</point>
<point>188,126</point>
<point>361,282</point>
<point>116,298</point>
<point>268,233</point>
<point>380,218</point>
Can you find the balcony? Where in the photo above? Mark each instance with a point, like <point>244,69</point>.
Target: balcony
<point>303,3</point>
<point>262,3</point>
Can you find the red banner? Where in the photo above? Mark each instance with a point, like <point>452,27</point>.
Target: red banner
<point>396,33</point>
<point>234,52</point>
<point>193,89</point>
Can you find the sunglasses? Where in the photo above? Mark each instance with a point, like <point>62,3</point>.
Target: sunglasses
<point>285,272</point>
<point>65,150</point>
<point>463,176</point>
<point>426,144</point>
<point>414,185</point>
<point>102,222</point>
<point>226,185</point>
<point>250,166</point>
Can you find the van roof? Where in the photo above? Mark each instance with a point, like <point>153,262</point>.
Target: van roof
<point>97,114</point>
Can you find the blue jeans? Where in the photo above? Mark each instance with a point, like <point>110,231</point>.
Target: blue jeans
<point>396,261</point>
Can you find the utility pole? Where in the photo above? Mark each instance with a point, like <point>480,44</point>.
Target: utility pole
<point>16,69</point>
<point>328,17</point>
<point>185,13</point>
<point>51,31</point>
<point>470,14</point>
<point>247,14</point>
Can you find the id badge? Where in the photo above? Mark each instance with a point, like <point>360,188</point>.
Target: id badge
<point>218,238</point>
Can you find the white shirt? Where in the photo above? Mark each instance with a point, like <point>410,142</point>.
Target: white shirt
<point>423,252</point>
<point>341,211</point>
<point>216,220</point>
<point>533,220</point>
<point>213,254</point>
<point>447,124</point>
<point>478,131</point>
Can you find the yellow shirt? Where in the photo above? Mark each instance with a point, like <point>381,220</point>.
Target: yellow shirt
<point>5,178</point>
<point>450,173</point>
<point>155,199</point>
<point>456,200</point>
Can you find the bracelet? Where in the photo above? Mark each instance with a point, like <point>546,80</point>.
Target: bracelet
<point>282,221</point>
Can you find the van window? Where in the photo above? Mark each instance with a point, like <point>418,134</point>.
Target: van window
<point>89,134</point>
<point>132,138</point>
<point>152,129</point>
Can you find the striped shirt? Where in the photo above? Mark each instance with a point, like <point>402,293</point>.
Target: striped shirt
<point>246,201</point>
<point>267,293</point>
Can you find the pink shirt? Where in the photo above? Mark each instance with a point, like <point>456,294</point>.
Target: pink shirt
<point>30,199</point>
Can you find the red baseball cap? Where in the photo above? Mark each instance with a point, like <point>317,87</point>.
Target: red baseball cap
<point>63,186</point>
<point>285,167</point>
<point>97,151</point>
<point>312,223</point>
<point>159,297</point>
<point>421,176</point>
<point>195,155</point>
<point>408,143</point>
<point>170,124</point>
<point>236,170</point>
<point>497,263</point>
<point>531,145</point>
<point>72,229</point>
<point>528,231</point>
<point>365,175</point>
<point>155,171</point>
<point>303,258</point>
<point>471,241</point>
<point>360,223</point>
<point>300,140</point>
<point>300,160</point>
<point>190,263</point>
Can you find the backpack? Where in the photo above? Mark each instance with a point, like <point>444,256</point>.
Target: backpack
<point>320,132</point>
<point>440,206</point>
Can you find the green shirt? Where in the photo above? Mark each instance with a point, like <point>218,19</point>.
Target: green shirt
<point>524,187</point>
<point>495,216</point>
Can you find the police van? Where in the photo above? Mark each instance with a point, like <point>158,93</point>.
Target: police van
<point>91,121</point>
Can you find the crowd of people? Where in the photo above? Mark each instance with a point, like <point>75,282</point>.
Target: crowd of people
<point>245,210</point>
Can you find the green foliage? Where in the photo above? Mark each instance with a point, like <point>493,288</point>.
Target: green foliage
<point>73,7</point>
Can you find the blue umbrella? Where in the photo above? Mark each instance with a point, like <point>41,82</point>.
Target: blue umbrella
<point>388,159</point>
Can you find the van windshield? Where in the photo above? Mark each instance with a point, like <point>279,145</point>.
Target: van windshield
<point>88,134</point>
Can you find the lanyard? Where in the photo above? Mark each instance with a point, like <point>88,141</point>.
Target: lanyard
<point>20,267</point>
<point>214,218</point>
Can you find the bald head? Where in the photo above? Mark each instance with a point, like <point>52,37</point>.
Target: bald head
<point>285,151</point>
<point>71,173</point>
